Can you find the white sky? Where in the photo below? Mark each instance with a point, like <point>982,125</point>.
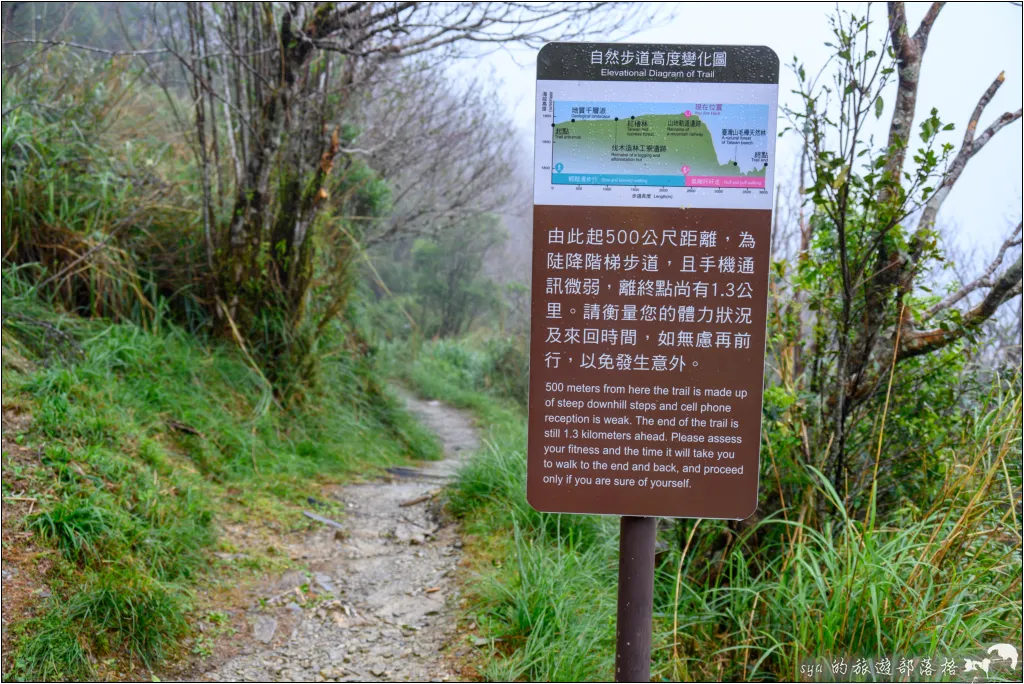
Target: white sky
<point>969,45</point>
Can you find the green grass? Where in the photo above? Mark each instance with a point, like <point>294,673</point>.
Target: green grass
<point>930,580</point>
<point>849,590</point>
<point>148,441</point>
<point>49,649</point>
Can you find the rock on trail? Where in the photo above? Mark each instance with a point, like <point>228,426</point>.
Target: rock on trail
<point>384,585</point>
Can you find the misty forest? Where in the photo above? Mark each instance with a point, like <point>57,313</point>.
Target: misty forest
<point>266,361</point>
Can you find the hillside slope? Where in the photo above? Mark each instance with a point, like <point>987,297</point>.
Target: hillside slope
<point>142,465</point>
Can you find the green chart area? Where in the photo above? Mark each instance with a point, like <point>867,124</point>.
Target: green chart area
<point>727,147</point>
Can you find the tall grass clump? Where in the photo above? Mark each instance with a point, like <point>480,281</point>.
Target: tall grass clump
<point>88,206</point>
<point>499,366</point>
<point>941,583</point>
<point>809,584</point>
<point>508,367</point>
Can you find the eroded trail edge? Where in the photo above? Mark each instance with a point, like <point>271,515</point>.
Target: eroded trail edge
<point>386,578</point>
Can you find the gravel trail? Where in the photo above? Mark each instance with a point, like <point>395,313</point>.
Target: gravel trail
<point>384,583</point>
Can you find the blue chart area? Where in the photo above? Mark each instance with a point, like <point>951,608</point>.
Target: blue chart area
<point>696,144</point>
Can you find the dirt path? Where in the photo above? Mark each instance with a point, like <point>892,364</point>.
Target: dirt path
<point>384,584</point>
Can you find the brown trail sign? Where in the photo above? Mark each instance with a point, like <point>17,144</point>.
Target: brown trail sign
<point>652,224</point>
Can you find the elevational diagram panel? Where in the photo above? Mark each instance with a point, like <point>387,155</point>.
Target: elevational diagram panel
<point>689,136</point>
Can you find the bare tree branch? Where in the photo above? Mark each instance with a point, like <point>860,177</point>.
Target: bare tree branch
<point>983,280</point>
<point>968,148</point>
<point>1004,288</point>
<point>80,46</point>
<point>111,53</point>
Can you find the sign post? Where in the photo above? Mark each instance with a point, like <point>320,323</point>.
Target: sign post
<point>636,595</point>
<point>651,245</point>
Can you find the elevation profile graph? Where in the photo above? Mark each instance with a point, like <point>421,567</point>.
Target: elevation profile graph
<point>692,144</point>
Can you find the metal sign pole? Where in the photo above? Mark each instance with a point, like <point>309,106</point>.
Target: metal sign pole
<point>636,599</point>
